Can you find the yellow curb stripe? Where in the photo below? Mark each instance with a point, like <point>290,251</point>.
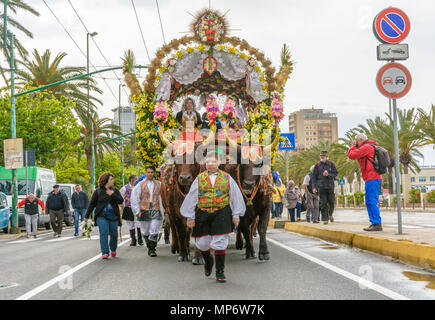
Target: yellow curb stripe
<point>406,251</point>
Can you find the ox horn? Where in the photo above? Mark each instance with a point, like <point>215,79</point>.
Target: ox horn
<point>165,141</point>
<point>211,136</point>
<point>275,142</point>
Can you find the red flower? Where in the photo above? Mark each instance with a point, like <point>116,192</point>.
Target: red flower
<point>177,84</point>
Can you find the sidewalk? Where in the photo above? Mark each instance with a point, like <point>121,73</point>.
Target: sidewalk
<point>416,245</point>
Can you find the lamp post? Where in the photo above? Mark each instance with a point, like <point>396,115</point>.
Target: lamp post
<point>89,109</point>
<point>122,141</point>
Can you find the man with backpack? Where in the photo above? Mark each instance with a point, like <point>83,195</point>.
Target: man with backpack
<point>324,175</point>
<point>312,199</point>
<point>373,161</point>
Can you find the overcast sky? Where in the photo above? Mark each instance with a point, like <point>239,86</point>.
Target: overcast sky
<point>331,42</point>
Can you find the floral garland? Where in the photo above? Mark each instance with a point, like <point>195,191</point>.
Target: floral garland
<point>148,140</point>
<point>209,26</point>
<point>212,110</point>
<point>229,111</point>
<point>161,112</point>
<point>277,109</point>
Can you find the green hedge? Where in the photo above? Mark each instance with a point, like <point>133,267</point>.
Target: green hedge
<point>430,197</point>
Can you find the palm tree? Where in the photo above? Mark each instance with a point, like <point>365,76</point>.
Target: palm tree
<point>103,130</point>
<point>346,168</point>
<point>427,125</point>
<point>43,71</point>
<point>13,6</point>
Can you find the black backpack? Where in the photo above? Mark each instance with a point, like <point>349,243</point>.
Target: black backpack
<point>381,159</point>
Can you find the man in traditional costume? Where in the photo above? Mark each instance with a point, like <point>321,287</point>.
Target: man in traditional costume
<point>127,214</point>
<point>212,208</point>
<point>146,203</point>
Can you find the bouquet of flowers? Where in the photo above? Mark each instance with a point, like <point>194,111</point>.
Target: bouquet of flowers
<point>161,112</point>
<point>229,113</point>
<point>212,110</point>
<point>277,109</point>
<point>86,227</point>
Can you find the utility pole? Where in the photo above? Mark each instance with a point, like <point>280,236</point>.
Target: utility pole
<point>89,108</point>
<point>122,141</point>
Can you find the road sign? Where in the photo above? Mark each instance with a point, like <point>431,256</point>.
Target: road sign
<point>393,52</point>
<point>391,25</point>
<point>288,143</point>
<point>341,182</point>
<point>394,80</point>
<point>13,153</point>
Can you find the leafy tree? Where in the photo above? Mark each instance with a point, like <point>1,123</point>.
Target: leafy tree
<point>43,70</point>
<point>45,123</point>
<point>427,125</point>
<point>73,171</point>
<point>13,24</point>
<point>111,162</point>
<point>103,130</point>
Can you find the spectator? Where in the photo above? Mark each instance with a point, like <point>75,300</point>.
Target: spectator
<point>298,204</point>
<point>31,213</point>
<point>290,200</point>
<point>277,197</point>
<point>105,201</point>
<point>324,174</point>
<point>56,205</point>
<point>79,202</point>
<point>312,199</point>
<point>362,151</point>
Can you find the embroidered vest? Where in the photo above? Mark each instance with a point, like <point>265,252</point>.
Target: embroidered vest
<point>213,197</point>
<point>128,190</point>
<point>145,195</point>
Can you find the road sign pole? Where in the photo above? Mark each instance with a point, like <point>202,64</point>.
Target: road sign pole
<point>396,151</point>
<point>286,168</point>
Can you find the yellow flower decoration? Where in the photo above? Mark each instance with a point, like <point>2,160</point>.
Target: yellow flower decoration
<point>179,54</point>
<point>257,68</point>
<point>222,47</point>
<point>201,48</point>
<point>262,78</point>
<point>232,50</point>
<point>158,78</point>
<point>162,69</point>
<point>243,55</point>
<point>189,49</point>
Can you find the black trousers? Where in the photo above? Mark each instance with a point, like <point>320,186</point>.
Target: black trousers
<point>327,200</point>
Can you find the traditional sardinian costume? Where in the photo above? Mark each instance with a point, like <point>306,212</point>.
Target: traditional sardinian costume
<point>213,200</point>
<point>129,217</point>
<point>146,200</point>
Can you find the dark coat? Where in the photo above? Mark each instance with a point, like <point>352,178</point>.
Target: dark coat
<point>100,200</point>
<point>79,200</point>
<point>319,180</point>
<point>49,201</point>
<point>179,118</point>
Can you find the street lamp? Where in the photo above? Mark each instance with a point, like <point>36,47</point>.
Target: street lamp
<point>93,34</point>
<point>122,140</point>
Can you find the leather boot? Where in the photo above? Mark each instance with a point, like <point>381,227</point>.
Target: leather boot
<point>167,235</point>
<point>147,241</point>
<point>220,266</point>
<point>133,238</point>
<point>139,237</point>
<point>152,249</point>
<point>208,266</point>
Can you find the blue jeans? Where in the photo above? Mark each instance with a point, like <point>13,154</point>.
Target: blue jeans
<point>278,209</point>
<point>108,228</point>
<point>298,209</point>
<point>372,197</point>
<point>78,213</point>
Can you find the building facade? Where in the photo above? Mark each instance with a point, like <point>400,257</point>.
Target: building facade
<point>312,126</point>
<point>128,119</point>
<point>425,179</point>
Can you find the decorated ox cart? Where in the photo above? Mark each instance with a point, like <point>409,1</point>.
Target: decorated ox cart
<point>239,94</point>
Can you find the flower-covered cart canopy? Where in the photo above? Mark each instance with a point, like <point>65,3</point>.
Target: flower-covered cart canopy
<point>204,63</point>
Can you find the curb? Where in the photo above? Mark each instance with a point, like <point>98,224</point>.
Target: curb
<point>421,255</point>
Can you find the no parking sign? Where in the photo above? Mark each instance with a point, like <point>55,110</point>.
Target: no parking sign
<point>391,25</point>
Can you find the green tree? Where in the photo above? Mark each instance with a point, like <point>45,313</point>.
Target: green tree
<point>111,162</point>
<point>45,123</point>
<point>71,170</point>
<point>103,130</point>
<point>43,70</point>
<point>13,24</point>
<point>427,125</point>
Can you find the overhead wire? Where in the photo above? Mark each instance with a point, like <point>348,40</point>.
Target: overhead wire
<point>101,52</point>
<point>140,29</point>
<point>54,15</point>
<point>160,19</point>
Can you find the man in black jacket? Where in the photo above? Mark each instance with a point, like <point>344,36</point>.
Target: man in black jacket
<point>324,174</point>
<point>79,202</point>
<point>56,205</point>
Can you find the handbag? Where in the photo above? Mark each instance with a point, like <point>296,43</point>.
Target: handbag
<point>304,203</point>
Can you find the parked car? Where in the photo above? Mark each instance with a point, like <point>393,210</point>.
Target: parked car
<point>36,180</point>
<point>5,214</point>
<point>68,189</point>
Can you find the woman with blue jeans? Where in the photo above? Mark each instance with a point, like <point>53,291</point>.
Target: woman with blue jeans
<point>105,200</point>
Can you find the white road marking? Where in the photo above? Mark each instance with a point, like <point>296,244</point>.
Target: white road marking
<point>25,240</point>
<point>404,226</point>
<point>67,274</point>
<point>59,239</point>
<point>351,276</point>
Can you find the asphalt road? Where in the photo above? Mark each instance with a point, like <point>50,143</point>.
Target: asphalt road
<point>300,268</point>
